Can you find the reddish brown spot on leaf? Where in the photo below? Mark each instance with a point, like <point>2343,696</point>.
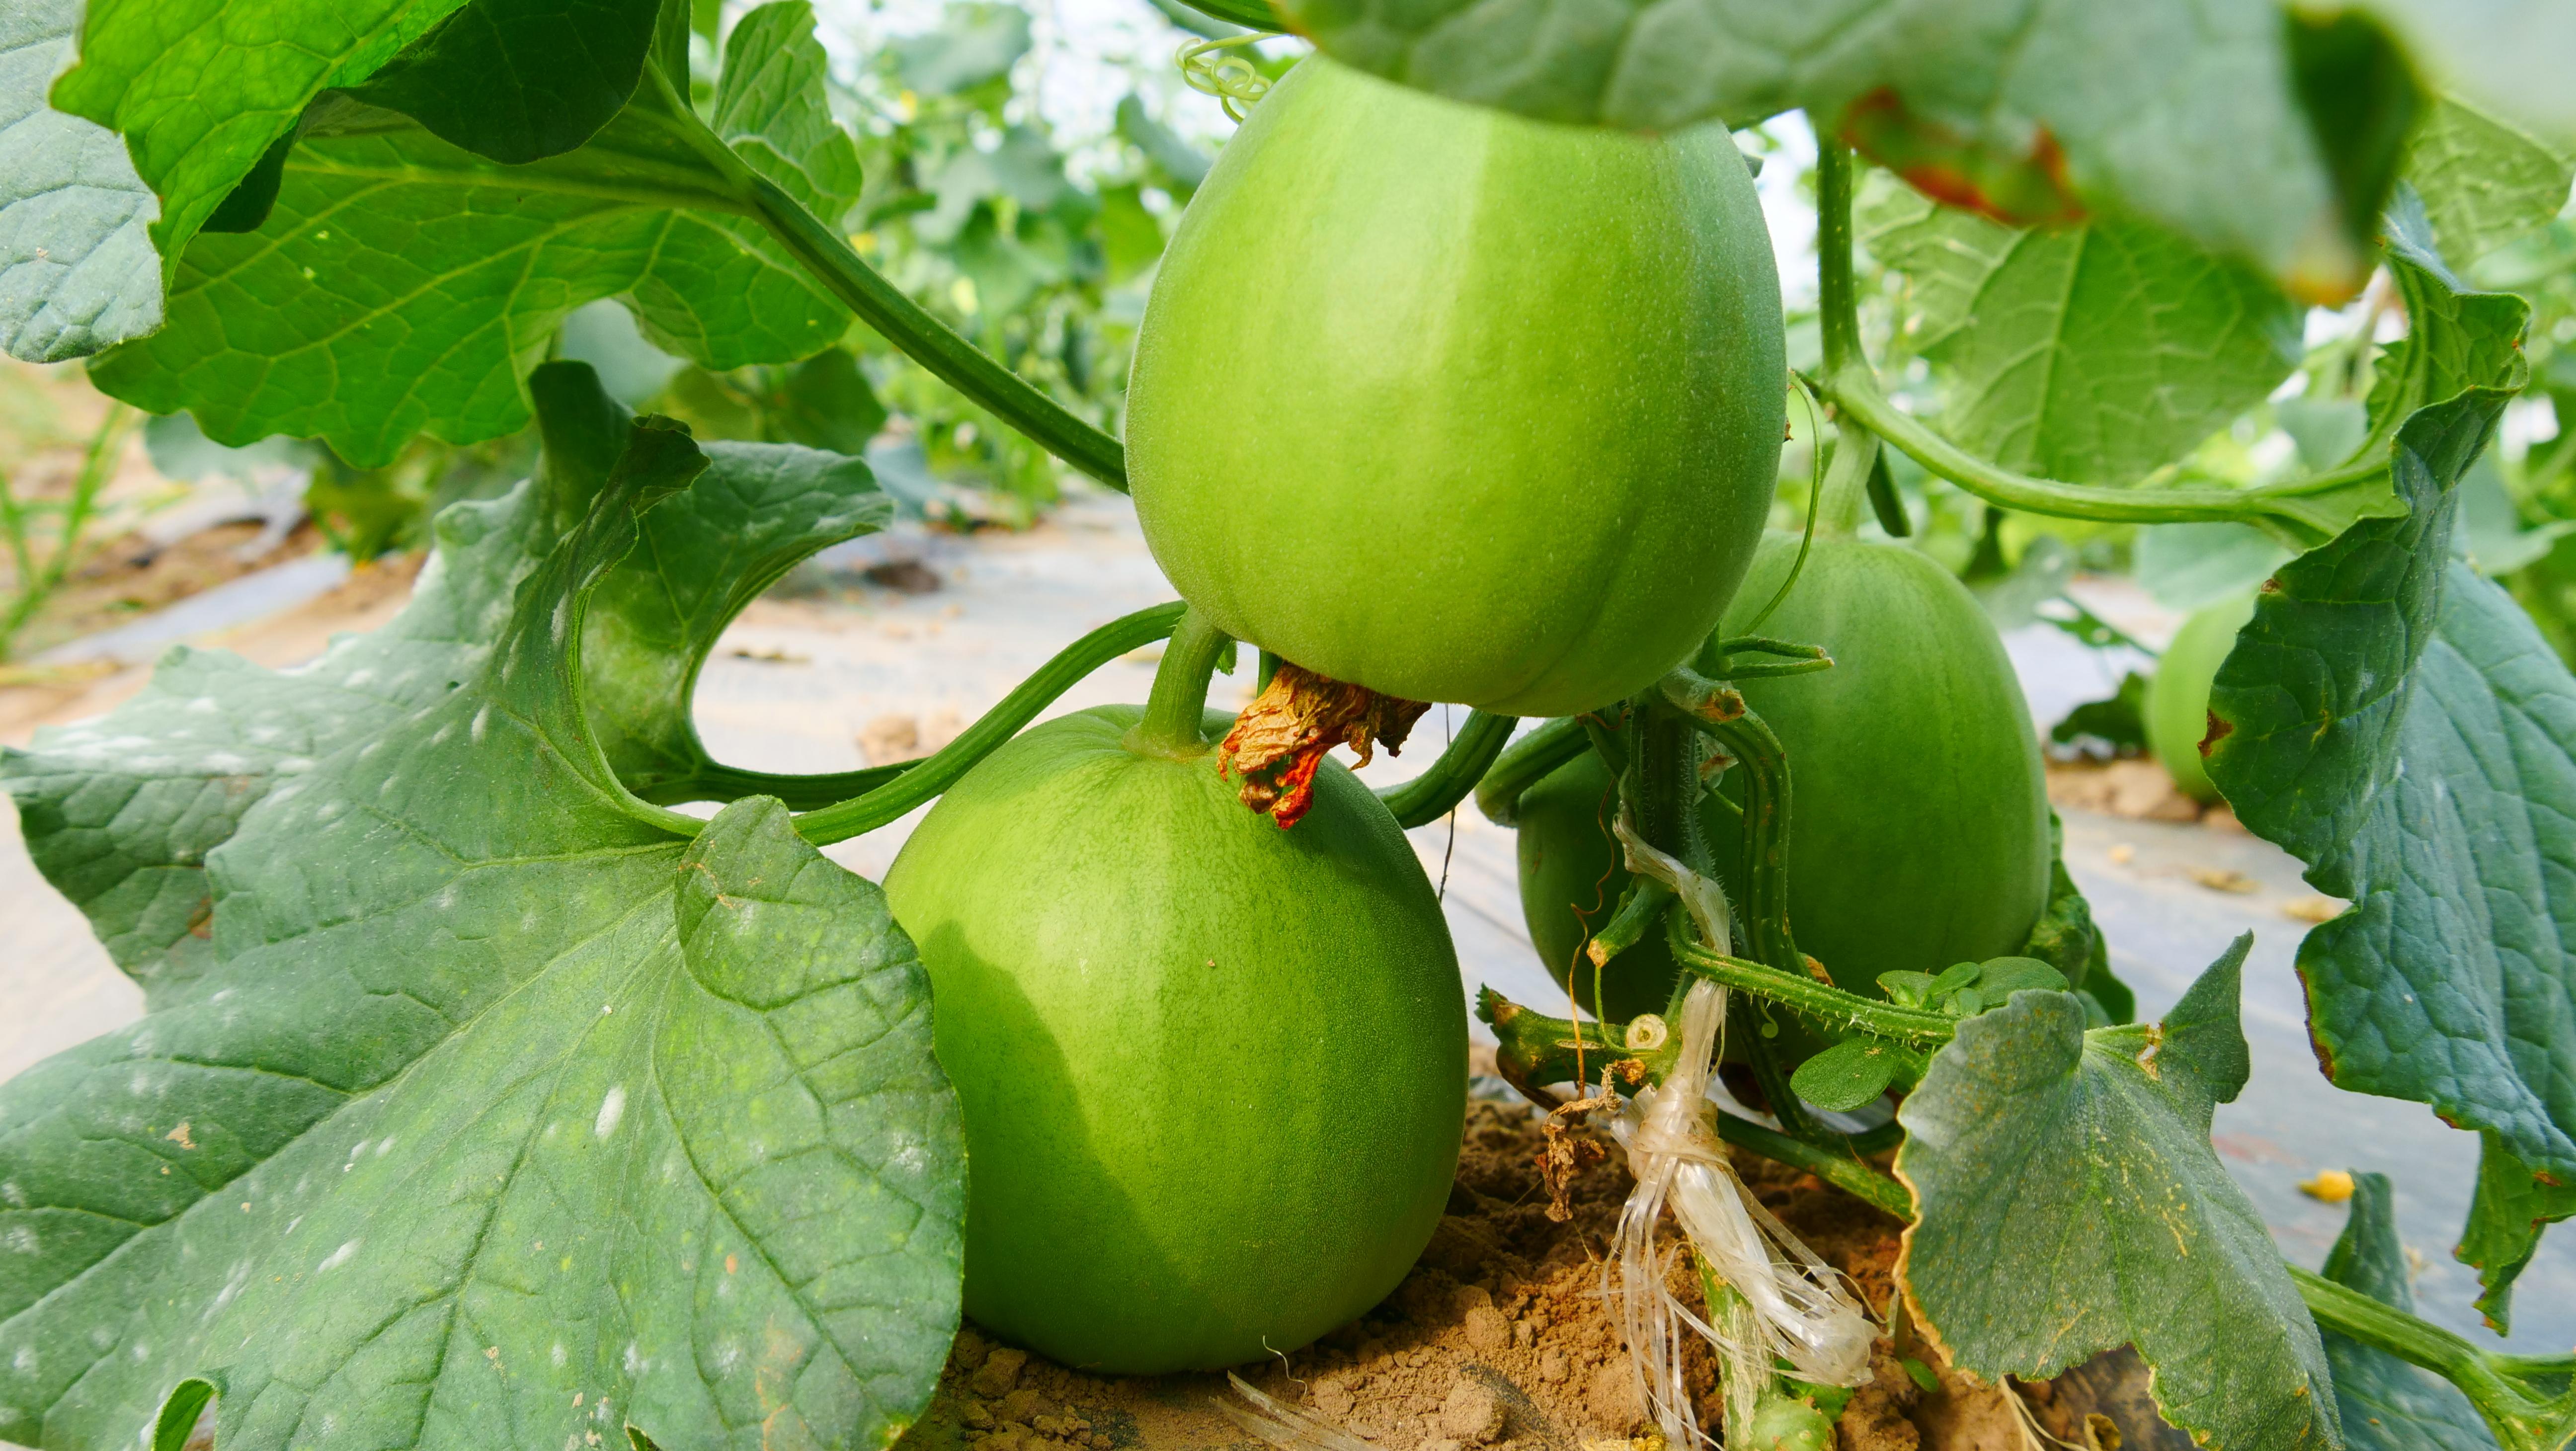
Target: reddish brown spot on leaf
<point>2025,190</point>
<point>2219,730</point>
<point>1279,744</point>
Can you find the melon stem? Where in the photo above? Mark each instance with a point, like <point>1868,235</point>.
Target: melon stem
<point>1176,707</point>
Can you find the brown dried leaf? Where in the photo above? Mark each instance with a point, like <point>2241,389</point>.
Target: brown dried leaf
<point>1277,745</point>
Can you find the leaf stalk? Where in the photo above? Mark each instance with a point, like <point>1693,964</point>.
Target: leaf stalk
<point>1436,792</point>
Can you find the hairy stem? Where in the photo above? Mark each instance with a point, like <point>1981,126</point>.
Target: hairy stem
<point>1665,771</point>
<point>927,778</point>
<point>716,781</point>
<point>1837,297</point>
<point>1433,794</point>
<point>1173,711</point>
<point>1821,1002</point>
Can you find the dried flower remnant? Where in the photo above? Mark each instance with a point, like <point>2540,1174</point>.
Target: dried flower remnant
<point>1277,745</point>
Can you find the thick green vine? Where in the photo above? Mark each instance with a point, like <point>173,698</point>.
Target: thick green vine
<point>883,306</point>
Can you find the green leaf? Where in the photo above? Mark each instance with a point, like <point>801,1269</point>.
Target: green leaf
<point>1024,167</point>
<point>2187,115</point>
<point>700,559</point>
<point>770,109</point>
<point>826,403</point>
<point>2118,720</point>
<point>2388,1405</point>
<point>2069,1203</point>
<point>2509,57</point>
<point>2398,724</point>
<point>2484,180</point>
<point>548,1121</point>
<point>1847,1075</point>
<point>974,43</point>
<point>2186,566</point>
<point>77,269</point>
<point>519,80</point>
<point>200,90</point>
<point>403,285</point>
<point>2066,938</point>
<point>2506,1215</point>
<point>2095,353</point>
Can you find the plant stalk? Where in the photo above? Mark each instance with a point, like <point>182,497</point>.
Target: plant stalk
<point>1436,792</point>
<point>1174,709</point>
<point>2287,509</point>
<point>1825,1004</point>
<point>1837,295</point>
<point>928,777</point>
<point>2521,1419</point>
<point>38,583</point>
<point>881,305</point>
<point>1526,762</point>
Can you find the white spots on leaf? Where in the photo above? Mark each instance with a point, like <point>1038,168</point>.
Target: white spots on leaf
<point>227,762</point>
<point>728,1355</point>
<point>16,1197</point>
<point>234,1284</point>
<point>290,1226</point>
<point>557,1355</point>
<point>22,1240</point>
<point>204,705</point>
<point>482,722</point>
<point>384,1146</point>
<point>560,625</point>
<point>634,1361</point>
<point>337,1257</point>
<point>24,1362</point>
<point>611,1109</point>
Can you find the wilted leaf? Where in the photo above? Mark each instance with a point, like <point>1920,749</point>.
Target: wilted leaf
<point>2068,1203</point>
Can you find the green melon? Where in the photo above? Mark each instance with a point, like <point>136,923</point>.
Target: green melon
<point>1212,1071</point>
<point>2178,694</point>
<point>1458,405</point>
<point>1918,802</point>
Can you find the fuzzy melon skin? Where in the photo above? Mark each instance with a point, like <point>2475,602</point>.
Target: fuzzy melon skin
<point>2178,693</point>
<point>1459,405</point>
<point>1918,833</point>
<point>1212,1071</point>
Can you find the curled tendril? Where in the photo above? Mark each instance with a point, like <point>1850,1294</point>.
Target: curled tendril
<point>1233,79</point>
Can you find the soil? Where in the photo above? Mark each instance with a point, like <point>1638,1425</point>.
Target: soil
<point>1500,1341</point>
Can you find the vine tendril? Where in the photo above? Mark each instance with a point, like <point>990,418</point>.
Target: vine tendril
<point>1234,80</point>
